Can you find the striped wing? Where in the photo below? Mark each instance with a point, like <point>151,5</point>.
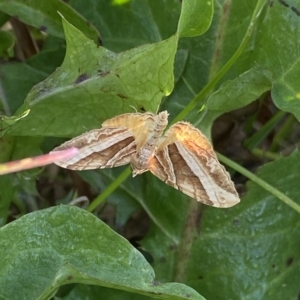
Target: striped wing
<point>186,161</point>
<point>110,146</point>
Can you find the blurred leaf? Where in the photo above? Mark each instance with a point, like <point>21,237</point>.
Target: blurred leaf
<point>165,255</point>
<point>7,42</point>
<point>3,18</point>
<point>195,18</point>
<point>7,144</point>
<point>7,191</point>
<point>90,78</point>
<point>166,207</point>
<point>52,43</point>
<point>44,16</point>
<point>250,251</point>
<point>260,135</point>
<point>26,147</point>
<point>6,122</point>
<point>33,71</point>
<point>7,188</point>
<point>133,24</point>
<point>21,185</point>
<point>96,292</point>
<point>120,2</point>
<point>281,31</point>
<point>234,94</point>
<point>241,91</point>
<point>67,245</point>
<point>123,199</point>
<point>180,63</point>
<point>167,214</point>
<point>14,119</point>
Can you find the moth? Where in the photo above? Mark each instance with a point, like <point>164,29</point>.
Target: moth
<point>182,158</point>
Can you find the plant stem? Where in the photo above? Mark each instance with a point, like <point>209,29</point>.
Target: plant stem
<point>284,132</point>
<point>265,154</point>
<point>210,85</point>
<point>264,131</point>
<point>109,189</point>
<point>186,242</point>
<point>266,186</point>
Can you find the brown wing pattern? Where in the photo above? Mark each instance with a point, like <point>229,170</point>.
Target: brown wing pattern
<point>186,161</point>
<point>112,145</point>
<point>100,148</point>
<point>141,125</point>
<point>183,158</point>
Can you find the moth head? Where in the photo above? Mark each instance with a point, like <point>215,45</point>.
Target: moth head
<point>136,170</point>
<point>139,164</point>
<point>163,115</point>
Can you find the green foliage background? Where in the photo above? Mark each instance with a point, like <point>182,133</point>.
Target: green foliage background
<point>157,55</point>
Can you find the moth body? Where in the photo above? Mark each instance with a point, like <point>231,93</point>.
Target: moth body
<point>141,160</point>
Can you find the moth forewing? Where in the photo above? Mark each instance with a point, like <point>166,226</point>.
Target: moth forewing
<point>100,148</point>
<point>185,160</point>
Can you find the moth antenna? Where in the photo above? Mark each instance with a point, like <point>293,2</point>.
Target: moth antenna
<point>133,108</point>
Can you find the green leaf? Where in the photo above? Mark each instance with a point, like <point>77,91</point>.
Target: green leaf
<point>26,147</point>
<point>3,18</point>
<point>90,78</point>
<point>124,199</point>
<point>136,23</point>
<point>250,251</point>
<point>7,42</point>
<point>44,16</point>
<point>7,144</point>
<point>234,94</point>
<point>33,71</point>
<point>6,122</point>
<point>63,245</point>
<point>170,211</point>
<point>180,63</point>
<point>209,52</point>
<point>241,91</point>
<point>95,293</point>
<point>280,30</point>
<point>145,190</point>
<point>7,186</point>
<point>264,131</point>
<point>24,183</point>
<point>12,120</point>
<point>7,191</point>
<point>195,18</point>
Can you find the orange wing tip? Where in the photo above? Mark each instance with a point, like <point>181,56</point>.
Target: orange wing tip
<point>38,161</point>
